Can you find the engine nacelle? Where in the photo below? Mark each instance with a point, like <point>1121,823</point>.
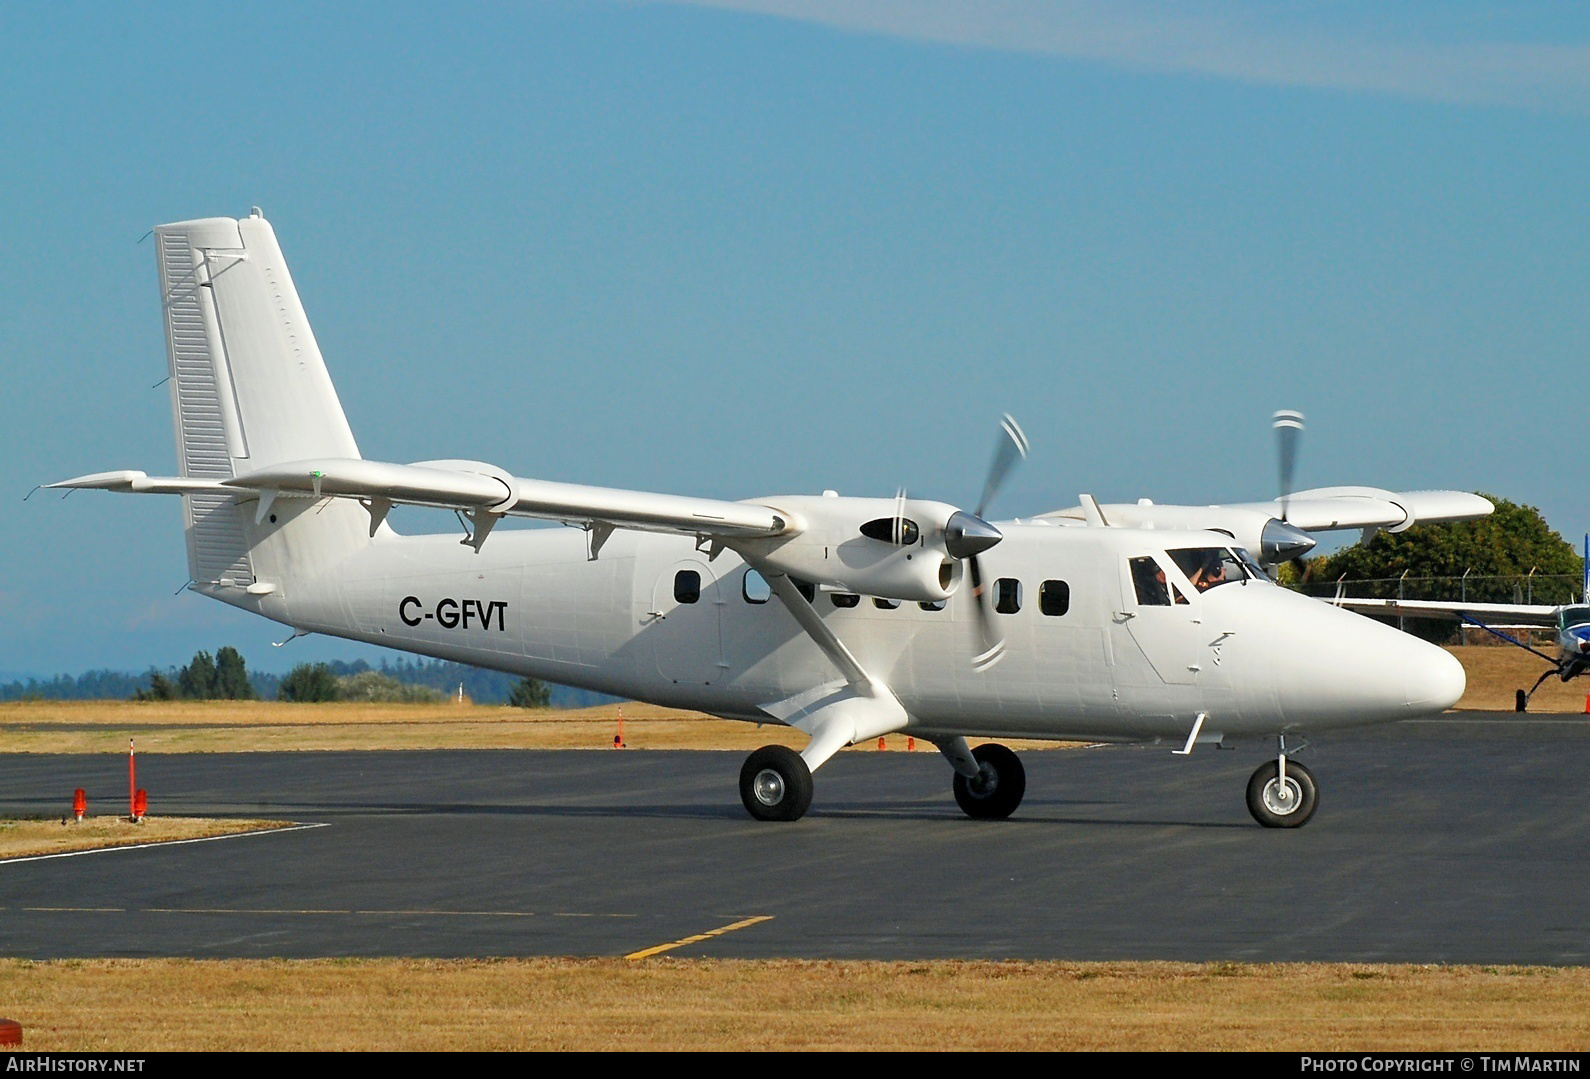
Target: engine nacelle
<point>870,546</point>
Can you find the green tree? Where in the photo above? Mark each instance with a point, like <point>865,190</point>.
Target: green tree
<point>1488,560</point>
<point>376,686</point>
<point>231,676</point>
<point>197,681</point>
<point>309,683</point>
<point>160,689</point>
<point>530,693</point>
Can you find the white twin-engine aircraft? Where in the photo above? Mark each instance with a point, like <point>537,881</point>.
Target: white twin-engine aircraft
<point>847,618</point>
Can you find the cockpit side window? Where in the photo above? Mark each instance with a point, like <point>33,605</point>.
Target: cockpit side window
<point>1149,579</point>
<point>1209,567</point>
<point>1255,570</point>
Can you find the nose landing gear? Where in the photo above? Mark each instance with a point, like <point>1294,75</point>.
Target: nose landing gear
<point>1282,794</point>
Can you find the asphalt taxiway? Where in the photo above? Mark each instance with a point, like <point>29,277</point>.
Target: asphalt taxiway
<point>1455,840</point>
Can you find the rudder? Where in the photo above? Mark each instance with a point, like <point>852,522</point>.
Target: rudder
<point>249,387</point>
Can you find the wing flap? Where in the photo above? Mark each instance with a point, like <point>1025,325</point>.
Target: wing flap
<point>1324,509</point>
<point>473,486</point>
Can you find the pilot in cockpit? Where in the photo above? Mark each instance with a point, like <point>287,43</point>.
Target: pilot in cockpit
<point>1210,572</point>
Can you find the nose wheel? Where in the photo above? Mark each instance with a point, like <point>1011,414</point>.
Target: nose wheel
<point>776,784</point>
<point>1278,802</point>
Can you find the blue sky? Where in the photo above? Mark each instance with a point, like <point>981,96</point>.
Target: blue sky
<point>754,247</point>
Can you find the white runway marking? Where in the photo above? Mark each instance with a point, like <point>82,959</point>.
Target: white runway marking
<point>161,843</point>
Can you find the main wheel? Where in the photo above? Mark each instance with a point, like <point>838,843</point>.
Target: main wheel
<point>1277,805</point>
<point>775,784</point>
<point>997,790</point>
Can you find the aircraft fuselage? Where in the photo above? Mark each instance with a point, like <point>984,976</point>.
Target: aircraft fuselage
<point>655,619</point>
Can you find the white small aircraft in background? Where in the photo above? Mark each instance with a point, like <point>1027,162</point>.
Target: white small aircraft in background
<point>1570,621</point>
<point>1108,627</point>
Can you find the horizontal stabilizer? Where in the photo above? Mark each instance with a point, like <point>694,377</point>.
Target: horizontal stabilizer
<point>139,483</point>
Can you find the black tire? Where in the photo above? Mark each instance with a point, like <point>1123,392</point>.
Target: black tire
<point>1274,807</point>
<point>999,790</point>
<point>775,784</point>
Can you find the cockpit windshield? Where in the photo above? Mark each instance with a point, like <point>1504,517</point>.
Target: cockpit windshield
<point>1572,616</point>
<point>1210,567</point>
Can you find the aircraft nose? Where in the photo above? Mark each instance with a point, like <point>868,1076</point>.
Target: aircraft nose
<point>1357,670</point>
<point>1434,680</point>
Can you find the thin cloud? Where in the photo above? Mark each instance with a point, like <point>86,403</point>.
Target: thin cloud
<point>1427,54</point>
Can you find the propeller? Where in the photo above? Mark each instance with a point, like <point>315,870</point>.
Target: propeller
<point>967,535</point>
<point>1282,541</point>
<point>1288,433</point>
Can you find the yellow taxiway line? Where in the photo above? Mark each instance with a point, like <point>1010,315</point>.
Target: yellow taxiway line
<point>646,952</point>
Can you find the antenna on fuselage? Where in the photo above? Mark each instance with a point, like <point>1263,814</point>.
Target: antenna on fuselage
<point>1091,513</point>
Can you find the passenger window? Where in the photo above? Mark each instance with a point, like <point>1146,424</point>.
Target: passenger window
<point>687,586</point>
<point>885,604</point>
<point>755,589</point>
<point>845,599</point>
<point>806,588</point>
<point>1007,595</point>
<point>1054,598</point>
<point>1149,579</point>
<point>936,605</point>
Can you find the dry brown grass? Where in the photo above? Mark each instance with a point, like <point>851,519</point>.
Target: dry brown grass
<point>28,838</point>
<point>1495,672</point>
<point>155,1005</point>
<point>250,726</point>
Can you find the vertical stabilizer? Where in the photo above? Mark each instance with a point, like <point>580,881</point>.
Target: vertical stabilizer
<point>248,385</point>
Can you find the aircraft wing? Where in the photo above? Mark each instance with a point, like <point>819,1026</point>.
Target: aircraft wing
<point>1531,614</point>
<point>471,487</point>
<point>1324,509</point>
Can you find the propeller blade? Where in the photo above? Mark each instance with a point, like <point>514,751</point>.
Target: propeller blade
<point>967,535</point>
<point>993,644</point>
<point>1011,448</point>
<point>899,516</point>
<point>1288,430</point>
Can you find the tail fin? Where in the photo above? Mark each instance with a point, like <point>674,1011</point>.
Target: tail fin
<point>248,385</point>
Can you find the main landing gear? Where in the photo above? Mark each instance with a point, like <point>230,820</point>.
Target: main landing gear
<point>997,788</point>
<point>776,783</point>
